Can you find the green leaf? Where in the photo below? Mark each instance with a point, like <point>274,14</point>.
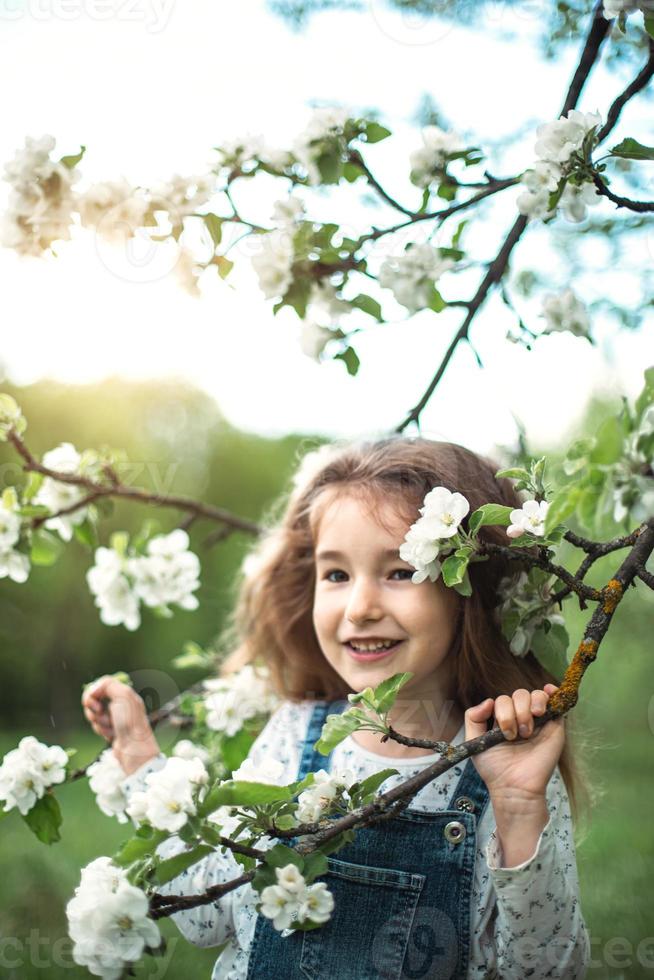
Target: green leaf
<point>562,505</point>
<point>174,866</point>
<point>631,149</point>
<point>315,865</point>
<point>453,570</point>
<point>297,296</point>
<point>447,191</point>
<point>138,847</point>
<point>33,485</point>
<point>32,510</point>
<point>242,793</point>
<point>369,786</point>
<point>352,171</point>
<point>609,442</point>
<point>336,728</point>
<point>44,819</point>
<point>555,196</point>
<point>515,473</point>
<point>223,264</point>
<point>350,358</point>
<point>649,24</point>
<point>234,748</point>
<point>119,541</point>
<point>368,305</point>
<point>386,692</point>
<point>587,507</point>
<point>214,226</point>
<point>280,855</point>
<point>375,132</point>
<point>192,655</point>
<point>86,534</point>
<point>45,549</point>
<point>72,160</point>
<point>463,587</point>
<point>490,514</point>
<point>436,301</point>
<point>330,166</point>
<point>552,642</point>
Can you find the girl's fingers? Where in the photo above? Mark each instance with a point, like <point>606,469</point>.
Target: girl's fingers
<point>476,718</point>
<point>505,716</point>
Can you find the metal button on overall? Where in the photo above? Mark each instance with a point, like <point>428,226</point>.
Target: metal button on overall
<point>454,832</point>
<point>464,803</point>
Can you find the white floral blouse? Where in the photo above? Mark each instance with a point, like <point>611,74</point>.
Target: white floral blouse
<point>526,921</point>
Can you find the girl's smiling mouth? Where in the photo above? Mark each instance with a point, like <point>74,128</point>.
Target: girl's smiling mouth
<point>368,655</point>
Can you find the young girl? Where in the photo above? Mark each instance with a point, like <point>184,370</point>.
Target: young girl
<point>477,877</point>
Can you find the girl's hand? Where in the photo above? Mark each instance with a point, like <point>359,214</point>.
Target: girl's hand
<point>517,773</point>
<point>117,713</point>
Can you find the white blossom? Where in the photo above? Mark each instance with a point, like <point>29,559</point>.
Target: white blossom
<point>445,511</point>
<point>420,550</point>
<point>234,699</point>
<point>56,495</point>
<point>575,201</point>
<point>411,276</point>
<point>105,779</point>
<point>15,565</point>
<point>268,770</point>
<point>314,338</point>
<point>167,573</point>
<point>530,519</point>
<point>288,211</point>
<point>565,311</point>
<point>241,152</point>
<point>180,195</point>
<point>108,921</point>
<point>27,771</point>
<point>558,140</point>
<point>274,262</point>
<point>323,132</point>
<point>292,900</point>
<point>185,749</point>
<point>114,208</point>
<point>113,592</point>
<point>170,795</point>
<point>433,154</point>
<point>41,200</point>
<point>9,527</point>
<point>326,787</point>
<point>613,8</point>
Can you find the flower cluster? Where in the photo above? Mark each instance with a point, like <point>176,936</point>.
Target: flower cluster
<point>13,563</point>
<point>528,519</point>
<point>411,276</point>
<point>565,311</point>
<point>27,771</point>
<point>613,8</point>
<point>292,900</point>
<point>435,533</point>
<point>526,607</point>
<point>168,573</point>
<point>558,149</point>
<point>105,779</point>
<point>429,161</point>
<point>171,794</point>
<point>325,789</point>
<point>41,198</point>
<point>237,698</point>
<point>325,302</point>
<point>323,137</point>
<point>273,263</point>
<point>108,921</point>
<point>56,495</point>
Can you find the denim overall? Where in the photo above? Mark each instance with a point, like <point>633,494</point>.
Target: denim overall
<point>402,893</point>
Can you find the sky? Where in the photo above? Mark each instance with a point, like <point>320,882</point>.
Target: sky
<point>150,86</point>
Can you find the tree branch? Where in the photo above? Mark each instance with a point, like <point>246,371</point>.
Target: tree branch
<point>639,83</point>
<point>622,202</point>
<point>596,35</point>
<point>385,804</point>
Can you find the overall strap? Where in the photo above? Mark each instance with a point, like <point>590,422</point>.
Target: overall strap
<point>470,793</point>
<point>310,759</point>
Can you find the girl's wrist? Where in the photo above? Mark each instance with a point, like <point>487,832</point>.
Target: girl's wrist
<point>519,824</point>
<point>136,752</point>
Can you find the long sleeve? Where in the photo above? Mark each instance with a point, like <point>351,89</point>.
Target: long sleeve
<point>535,927</point>
<point>205,925</point>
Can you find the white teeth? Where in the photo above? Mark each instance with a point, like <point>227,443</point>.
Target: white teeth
<point>372,647</point>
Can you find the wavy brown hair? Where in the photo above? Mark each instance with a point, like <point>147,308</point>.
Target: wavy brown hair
<point>272,617</point>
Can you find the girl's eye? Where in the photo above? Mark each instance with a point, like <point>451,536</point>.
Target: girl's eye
<point>337,571</point>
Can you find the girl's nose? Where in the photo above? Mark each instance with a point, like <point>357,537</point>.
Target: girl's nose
<point>363,603</point>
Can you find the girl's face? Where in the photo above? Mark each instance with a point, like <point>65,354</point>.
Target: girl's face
<point>364,592</point>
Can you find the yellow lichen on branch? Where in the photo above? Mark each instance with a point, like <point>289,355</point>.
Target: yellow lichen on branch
<point>612,593</point>
<point>566,696</point>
